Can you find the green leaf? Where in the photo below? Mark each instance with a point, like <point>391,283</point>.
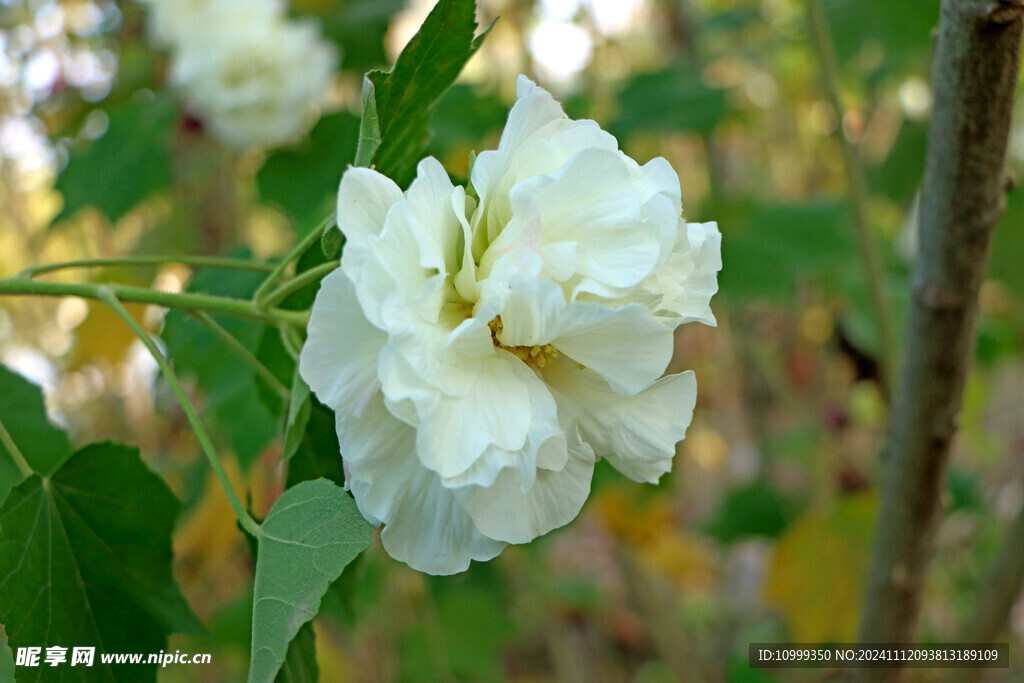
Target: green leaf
<point>232,407</point>
<point>776,246</point>
<point>667,101</point>
<point>756,509</point>
<point>318,454</point>
<point>398,105</point>
<point>6,658</point>
<point>86,560</point>
<point>303,180</point>
<point>124,166</point>
<point>900,32</point>
<point>1008,245</point>
<point>899,175</point>
<point>299,408</point>
<point>23,417</point>
<point>311,533</point>
<point>331,242</point>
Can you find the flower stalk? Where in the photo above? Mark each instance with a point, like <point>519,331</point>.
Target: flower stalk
<point>266,288</point>
<point>185,301</point>
<point>107,295</point>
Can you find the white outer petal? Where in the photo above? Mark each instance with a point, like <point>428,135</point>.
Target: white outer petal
<point>425,526</point>
<point>364,198</point>
<point>512,512</point>
<point>339,358</point>
<point>637,434</point>
<point>689,279</point>
<point>627,346</point>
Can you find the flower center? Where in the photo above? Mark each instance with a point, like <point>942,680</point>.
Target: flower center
<point>538,356</point>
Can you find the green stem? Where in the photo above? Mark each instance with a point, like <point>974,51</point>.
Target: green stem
<point>186,301</point>
<point>197,261</point>
<point>7,442</point>
<point>314,274</point>
<point>245,354</point>
<point>106,294</point>
<point>874,272</point>
<point>300,247</point>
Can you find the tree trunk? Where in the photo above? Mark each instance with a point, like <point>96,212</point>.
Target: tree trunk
<point>974,73</point>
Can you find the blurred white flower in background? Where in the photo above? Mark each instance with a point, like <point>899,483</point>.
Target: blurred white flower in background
<point>253,77</point>
<point>481,355</point>
<point>170,22</point>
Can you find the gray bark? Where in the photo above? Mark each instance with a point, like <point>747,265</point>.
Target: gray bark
<point>974,72</point>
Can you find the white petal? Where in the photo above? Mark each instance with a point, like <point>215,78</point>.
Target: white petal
<point>506,512</point>
<point>538,139</point>
<point>660,177</point>
<point>425,526</point>
<point>593,204</point>
<point>636,434</point>
<point>339,359</point>
<point>690,277</point>
<point>432,220</point>
<point>627,346</point>
<point>545,445</point>
<point>364,199</point>
<point>455,430</point>
<point>432,532</point>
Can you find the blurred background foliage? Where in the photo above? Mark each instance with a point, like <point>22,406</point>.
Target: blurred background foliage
<point>759,534</point>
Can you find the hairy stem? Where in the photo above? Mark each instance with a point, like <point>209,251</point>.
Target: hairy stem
<point>245,354</point>
<point>195,261</point>
<point>974,74</point>
<point>185,301</point>
<point>874,272</point>
<point>107,295</point>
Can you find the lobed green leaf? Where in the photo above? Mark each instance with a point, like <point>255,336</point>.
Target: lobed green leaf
<point>86,561</point>
<point>23,420</point>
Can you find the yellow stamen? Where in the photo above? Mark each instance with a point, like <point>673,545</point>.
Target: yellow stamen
<point>537,356</point>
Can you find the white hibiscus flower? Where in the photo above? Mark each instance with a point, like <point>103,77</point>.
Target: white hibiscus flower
<point>169,22</point>
<point>254,80</point>
<point>481,355</point>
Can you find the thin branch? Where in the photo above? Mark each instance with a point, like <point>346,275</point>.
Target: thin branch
<point>874,272</point>
<point>107,296</point>
<point>186,301</point>
<point>242,352</point>
<point>977,55</point>
<point>195,261</point>
<point>314,274</point>
<point>301,246</point>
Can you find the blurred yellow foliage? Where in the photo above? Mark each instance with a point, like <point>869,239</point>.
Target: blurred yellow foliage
<point>650,530</point>
<point>814,578</point>
<point>212,561</point>
<point>104,335</point>
<point>334,662</point>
